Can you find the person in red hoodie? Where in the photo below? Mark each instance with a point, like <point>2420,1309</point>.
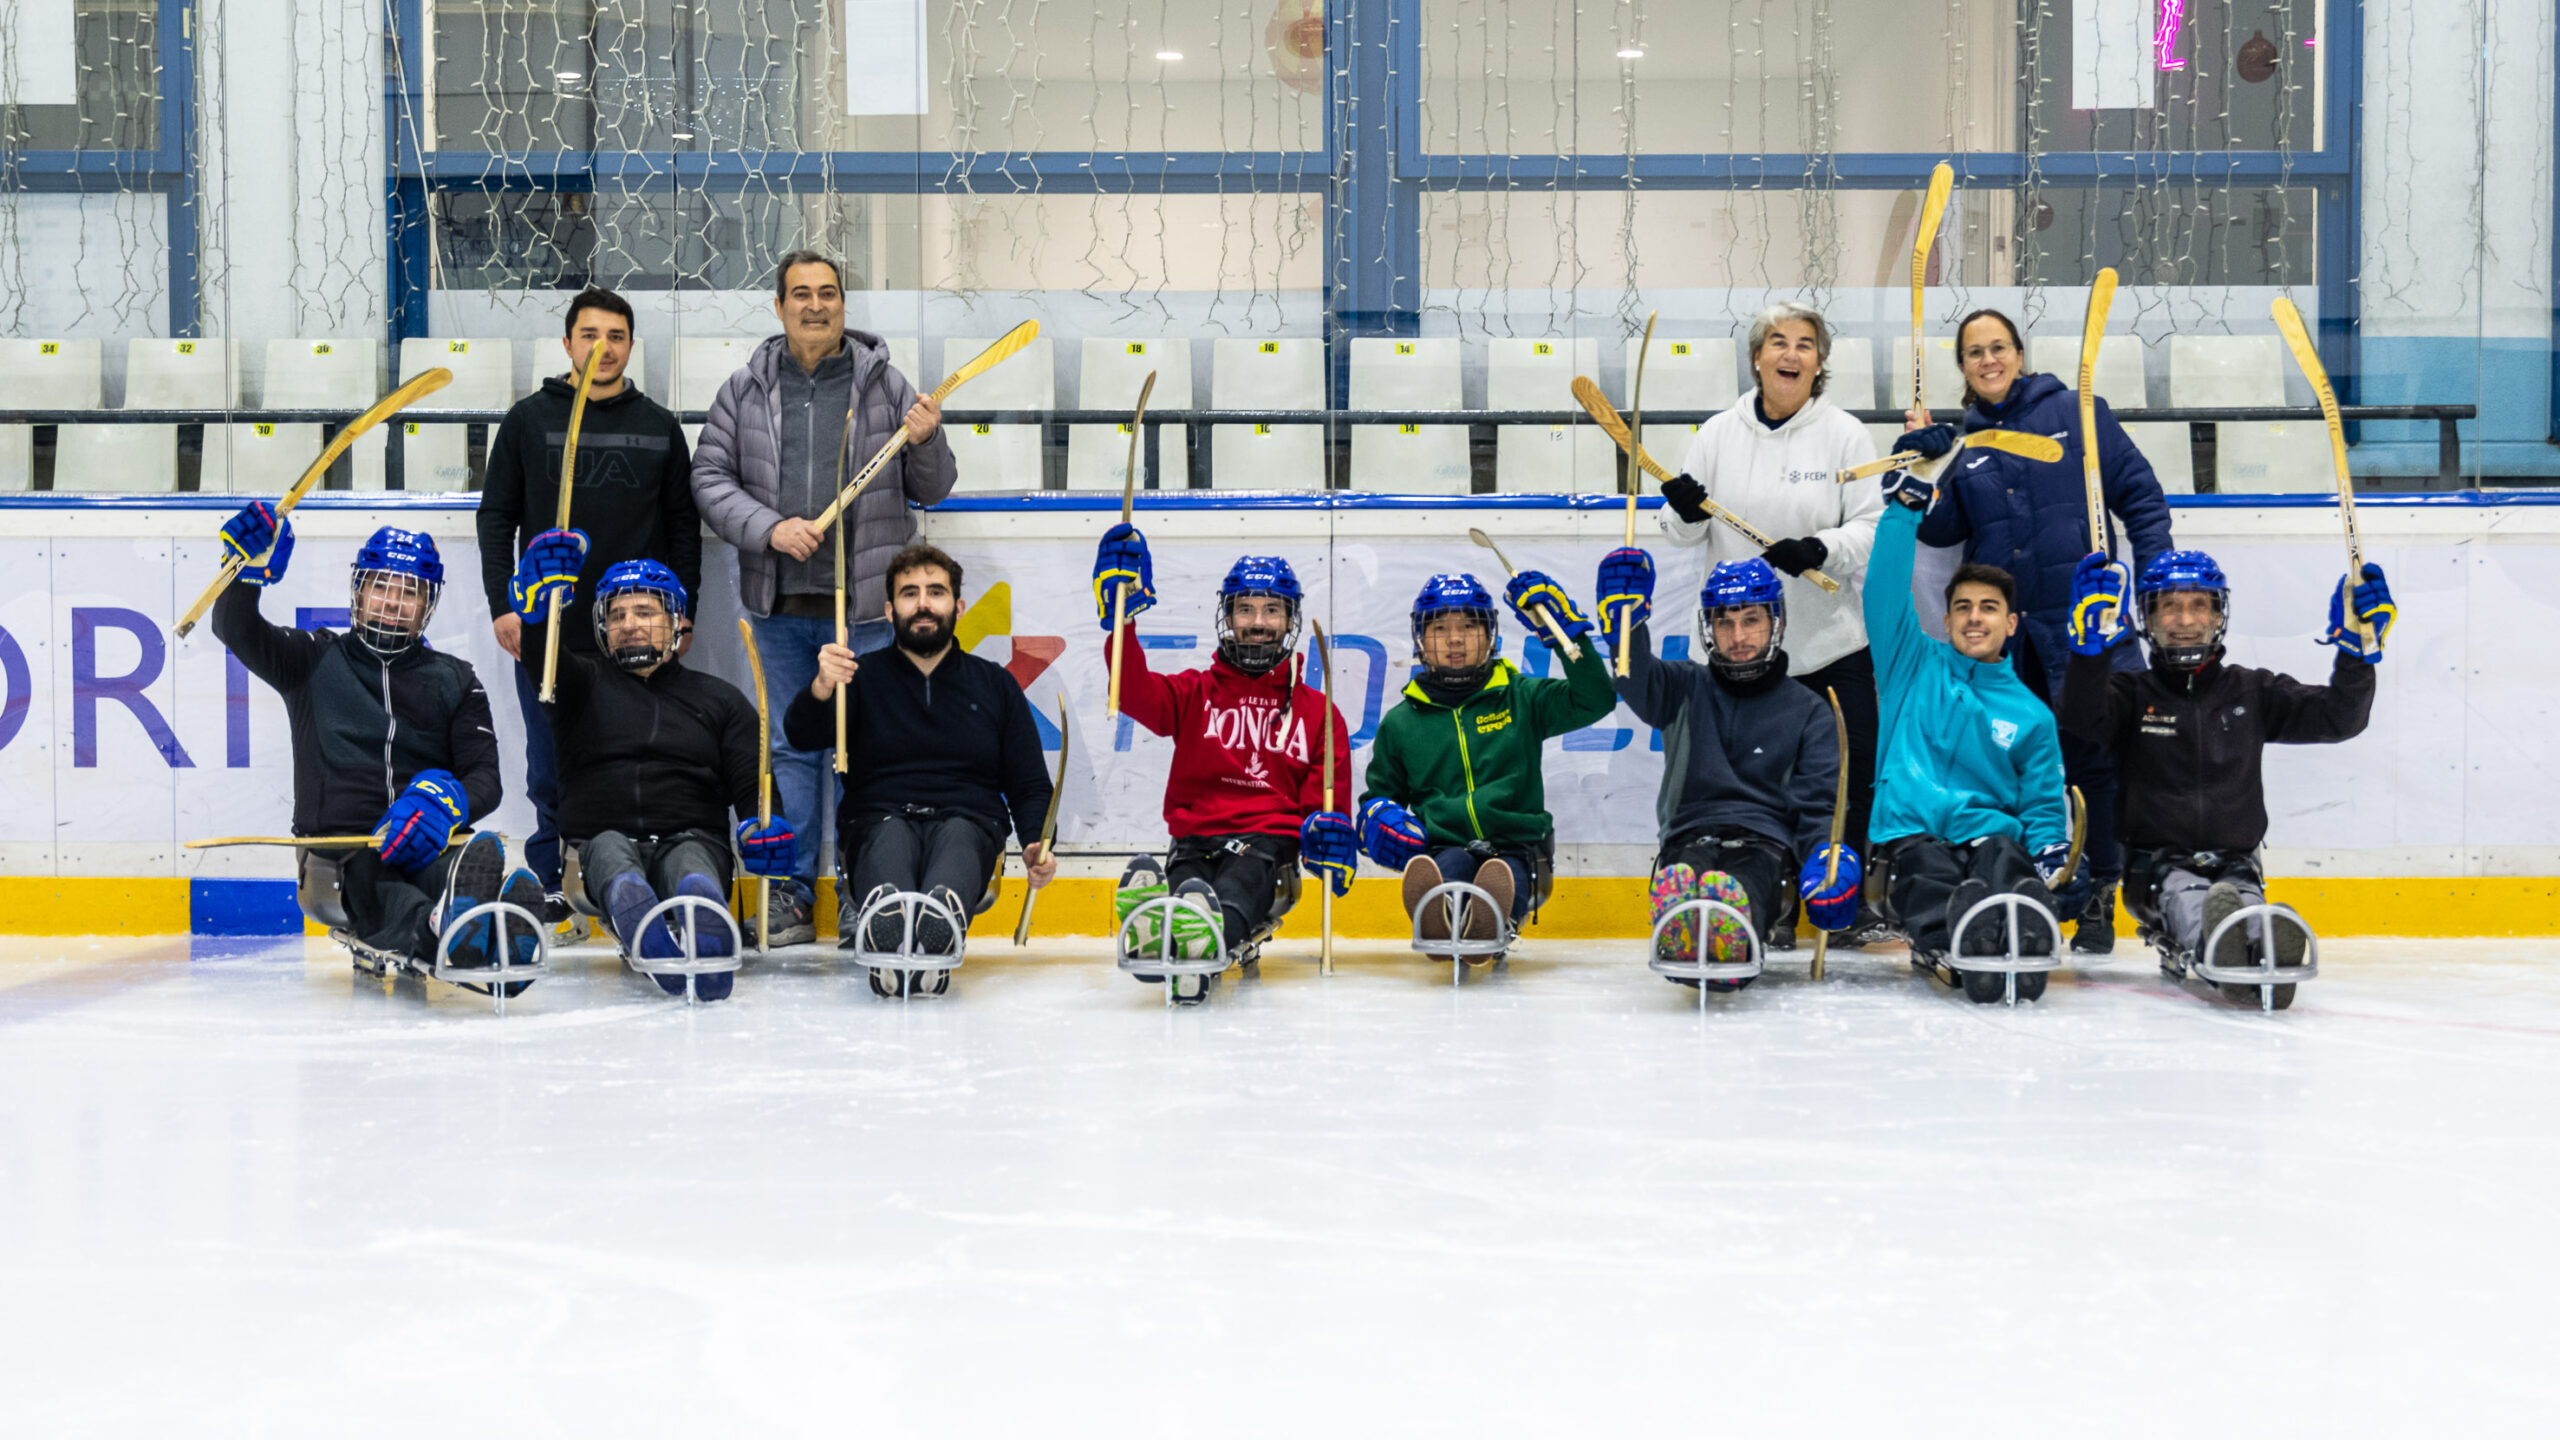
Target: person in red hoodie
<point>1248,763</point>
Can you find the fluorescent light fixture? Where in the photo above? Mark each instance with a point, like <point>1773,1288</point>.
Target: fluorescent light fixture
<point>1631,54</point>
<point>569,75</point>
<point>681,135</point>
<point>1168,54</point>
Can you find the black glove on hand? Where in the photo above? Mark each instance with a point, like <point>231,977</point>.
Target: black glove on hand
<point>1928,442</point>
<point>1798,555</point>
<point>1687,498</point>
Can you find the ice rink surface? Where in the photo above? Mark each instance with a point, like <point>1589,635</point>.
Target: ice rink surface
<point>247,1193</point>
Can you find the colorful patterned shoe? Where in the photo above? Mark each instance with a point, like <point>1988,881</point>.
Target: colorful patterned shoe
<point>1675,884</point>
<point>1728,940</point>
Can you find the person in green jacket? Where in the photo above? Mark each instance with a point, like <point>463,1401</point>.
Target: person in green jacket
<point>1970,800</point>
<point>1456,781</point>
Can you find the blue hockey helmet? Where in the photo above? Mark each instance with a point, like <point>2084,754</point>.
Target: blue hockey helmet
<point>2183,572</point>
<point>654,640</point>
<point>1735,585</point>
<point>1256,652</point>
<point>1456,595</point>
<point>392,589</point>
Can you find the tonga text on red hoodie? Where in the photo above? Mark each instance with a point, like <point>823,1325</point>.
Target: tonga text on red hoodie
<point>1246,759</point>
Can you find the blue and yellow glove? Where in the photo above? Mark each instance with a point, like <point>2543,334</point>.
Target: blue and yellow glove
<point>1390,834</point>
<point>2068,898</point>
<point>2101,592</point>
<point>1121,563</point>
<point>768,847</point>
<point>1833,906</point>
<point>1539,589</point>
<point>262,540</point>
<point>1626,592</point>
<point>549,567</point>
<point>417,827</point>
<point>2373,607</point>
<point>1330,848</point>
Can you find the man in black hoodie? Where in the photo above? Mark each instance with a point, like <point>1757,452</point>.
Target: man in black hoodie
<point>633,500</point>
<point>945,760</point>
<point>2189,734</point>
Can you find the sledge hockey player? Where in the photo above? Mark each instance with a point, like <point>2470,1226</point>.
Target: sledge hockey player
<point>945,760</point>
<point>2029,517</point>
<point>391,739</point>
<point>1247,783</point>
<point>1752,763</point>
<point>1457,782</point>
<point>1970,800</point>
<point>2189,733</point>
<point>654,756</point>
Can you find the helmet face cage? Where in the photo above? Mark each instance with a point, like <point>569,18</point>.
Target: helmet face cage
<point>1758,665</point>
<point>2183,572</point>
<point>1456,595</point>
<point>659,645</point>
<point>1265,577</point>
<point>371,590</point>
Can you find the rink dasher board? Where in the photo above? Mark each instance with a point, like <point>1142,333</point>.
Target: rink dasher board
<point>2451,781</point>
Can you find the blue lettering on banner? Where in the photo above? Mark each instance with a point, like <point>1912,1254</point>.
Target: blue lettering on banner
<point>235,712</point>
<point>19,686</point>
<point>1373,688</point>
<point>1674,647</point>
<point>88,687</point>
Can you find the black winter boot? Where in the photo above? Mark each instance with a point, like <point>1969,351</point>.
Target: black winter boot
<point>2096,932</point>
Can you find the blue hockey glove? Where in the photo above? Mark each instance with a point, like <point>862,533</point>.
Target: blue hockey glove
<point>2373,607</point>
<point>1928,442</point>
<point>768,847</point>
<point>2067,898</point>
<point>263,541</point>
<point>1626,592</point>
<point>1390,834</point>
<point>417,827</point>
<point>1833,906</point>
<point>1538,588</point>
<point>2101,589</point>
<point>1121,563</point>
<point>1330,848</point>
<point>549,568</point>
<point>1910,491</point>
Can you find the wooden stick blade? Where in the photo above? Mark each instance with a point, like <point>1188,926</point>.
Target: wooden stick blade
<point>2043,449</point>
<point>1008,345</point>
<point>1137,430</point>
<point>2306,353</point>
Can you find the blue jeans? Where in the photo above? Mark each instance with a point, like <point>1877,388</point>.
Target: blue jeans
<point>541,784</point>
<point>1460,863</point>
<point>803,779</point>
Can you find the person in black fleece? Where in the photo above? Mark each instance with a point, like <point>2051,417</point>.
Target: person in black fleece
<point>390,739</point>
<point>2189,734</point>
<point>945,759</point>
<point>633,501</point>
<point>654,757</point>
<point>1750,763</point>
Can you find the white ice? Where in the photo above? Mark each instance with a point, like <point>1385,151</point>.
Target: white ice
<point>244,1192</point>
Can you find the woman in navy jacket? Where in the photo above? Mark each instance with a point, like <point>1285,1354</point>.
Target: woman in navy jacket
<point>2031,519</point>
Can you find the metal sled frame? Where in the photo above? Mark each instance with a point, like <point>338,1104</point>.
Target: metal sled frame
<point>1453,895</point>
<point>906,959</point>
<point>497,976</point>
<point>1164,965</point>
<point>1697,967</point>
<point>2265,974</point>
<point>692,962</point>
<point>2011,963</point>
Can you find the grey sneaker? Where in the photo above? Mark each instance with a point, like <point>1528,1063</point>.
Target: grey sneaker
<point>795,914</point>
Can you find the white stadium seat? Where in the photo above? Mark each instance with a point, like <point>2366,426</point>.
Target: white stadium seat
<point>1853,386</point>
<point>306,374</point>
<point>1267,375</point>
<point>1391,374</point>
<point>2257,457</point>
<point>1940,380</point>
<point>1110,373</point>
<point>436,457</point>
<point>44,375</point>
<point>2121,383</point>
<point>1680,374</point>
<point>1562,459</point>
<point>159,375</point>
<point>1001,457</point>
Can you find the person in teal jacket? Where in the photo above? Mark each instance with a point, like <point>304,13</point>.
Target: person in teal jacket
<point>1970,800</point>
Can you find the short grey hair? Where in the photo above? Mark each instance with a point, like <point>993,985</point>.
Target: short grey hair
<point>1767,321</point>
<point>797,258</point>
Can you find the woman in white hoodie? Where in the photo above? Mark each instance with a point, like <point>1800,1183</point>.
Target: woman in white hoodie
<point>1774,459</point>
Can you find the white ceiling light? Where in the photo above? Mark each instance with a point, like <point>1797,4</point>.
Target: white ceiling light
<point>1630,54</point>
<point>571,76</point>
<point>1168,54</point>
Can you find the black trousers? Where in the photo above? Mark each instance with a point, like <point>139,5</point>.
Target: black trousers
<point>2087,767</point>
<point>1927,870</point>
<point>389,910</point>
<point>918,849</point>
<point>1244,870</point>
<point>1764,868</point>
<point>1853,677</point>
<point>661,861</point>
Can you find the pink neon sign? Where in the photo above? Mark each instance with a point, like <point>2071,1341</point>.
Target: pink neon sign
<point>2173,13</point>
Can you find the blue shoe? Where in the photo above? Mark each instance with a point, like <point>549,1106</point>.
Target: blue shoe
<point>475,879</point>
<point>524,947</point>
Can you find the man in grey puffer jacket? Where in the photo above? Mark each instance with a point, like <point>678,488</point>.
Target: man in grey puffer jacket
<point>766,465</point>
